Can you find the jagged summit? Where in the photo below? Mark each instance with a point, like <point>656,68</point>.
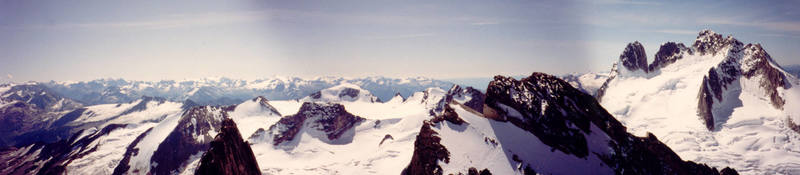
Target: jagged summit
<point>634,57</point>
<point>228,154</point>
<point>710,42</point>
<point>668,53</point>
<point>326,121</point>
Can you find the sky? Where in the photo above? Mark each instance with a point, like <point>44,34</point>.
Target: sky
<point>173,40</point>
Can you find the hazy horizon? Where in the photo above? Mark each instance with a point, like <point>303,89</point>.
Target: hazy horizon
<point>177,40</point>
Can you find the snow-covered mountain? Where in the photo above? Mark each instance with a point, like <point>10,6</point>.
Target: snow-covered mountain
<point>226,91</point>
<point>537,124</point>
<point>717,101</point>
<point>343,92</point>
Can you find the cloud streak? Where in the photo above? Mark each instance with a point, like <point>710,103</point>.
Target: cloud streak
<point>168,21</point>
<point>793,26</point>
<point>678,31</point>
<point>402,36</point>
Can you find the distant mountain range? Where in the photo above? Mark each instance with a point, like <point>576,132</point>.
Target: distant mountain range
<point>225,91</point>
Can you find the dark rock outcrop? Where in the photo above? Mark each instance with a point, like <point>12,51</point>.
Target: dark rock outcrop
<point>476,97</point>
<point>427,152</point>
<point>228,154</point>
<point>668,53</point>
<point>560,116</point>
<point>709,42</point>
<point>705,103</point>
<point>634,57</point>
<point>349,92</point>
<point>330,118</point>
<point>474,171</point>
<point>189,137</point>
<point>449,115</point>
<point>792,125</point>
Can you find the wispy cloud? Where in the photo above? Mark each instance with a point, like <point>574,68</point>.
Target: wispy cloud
<point>168,21</point>
<point>779,35</point>
<point>9,76</point>
<point>678,31</point>
<point>628,2</point>
<point>793,26</point>
<point>483,23</point>
<point>401,36</point>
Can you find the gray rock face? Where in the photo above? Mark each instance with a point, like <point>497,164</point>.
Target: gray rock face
<point>709,42</point>
<point>330,118</point>
<point>476,97</point>
<point>634,57</point>
<point>427,153</point>
<point>668,53</point>
<point>189,137</point>
<point>228,154</point>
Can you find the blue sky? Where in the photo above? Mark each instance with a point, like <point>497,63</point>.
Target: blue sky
<point>154,40</point>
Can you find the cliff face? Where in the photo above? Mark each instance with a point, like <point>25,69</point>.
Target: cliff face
<point>560,116</point>
<point>228,154</point>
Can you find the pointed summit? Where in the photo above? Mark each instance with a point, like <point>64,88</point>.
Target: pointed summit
<point>228,153</point>
<point>710,42</point>
<point>397,98</point>
<point>634,57</point>
<point>668,53</point>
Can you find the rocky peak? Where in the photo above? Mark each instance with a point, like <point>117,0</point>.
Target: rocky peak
<point>668,53</point>
<point>330,118</point>
<point>710,42</point>
<point>757,63</point>
<point>634,57</point>
<point>195,130</point>
<point>468,96</point>
<point>427,152</point>
<point>264,103</point>
<point>228,153</point>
